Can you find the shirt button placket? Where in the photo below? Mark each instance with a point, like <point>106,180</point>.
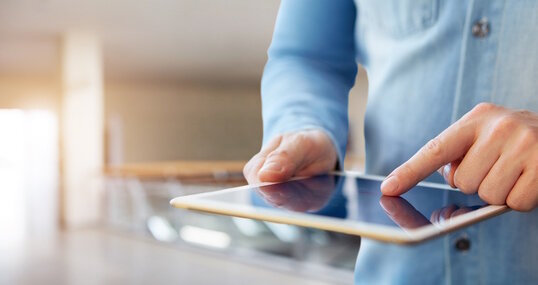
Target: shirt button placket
<point>479,58</point>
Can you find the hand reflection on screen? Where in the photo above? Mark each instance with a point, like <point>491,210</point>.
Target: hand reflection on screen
<point>307,195</point>
<point>402,213</point>
<point>407,217</point>
<point>443,214</point>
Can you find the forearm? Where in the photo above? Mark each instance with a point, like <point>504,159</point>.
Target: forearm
<point>310,70</point>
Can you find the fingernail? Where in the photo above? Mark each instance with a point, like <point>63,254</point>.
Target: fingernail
<point>271,166</point>
<point>446,175</point>
<point>390,185</point>
<point>446,171</point>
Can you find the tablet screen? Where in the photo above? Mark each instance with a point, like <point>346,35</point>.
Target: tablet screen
<point>357,199</point>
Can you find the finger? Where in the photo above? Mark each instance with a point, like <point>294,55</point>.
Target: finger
<point>448,172</point>
<point>283,162</point>
<point>301,154</point>
<point>500,180</point>
<point>250,170</point>
<point>524,195</point>
<point>319,159</point>
<point>449,146</point>
<point>477,163</point>
<point>402,213</point>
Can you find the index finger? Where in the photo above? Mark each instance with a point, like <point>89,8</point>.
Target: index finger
<point>448,146</point>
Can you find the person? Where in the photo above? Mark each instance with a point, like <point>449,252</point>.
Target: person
<point>452,87</point>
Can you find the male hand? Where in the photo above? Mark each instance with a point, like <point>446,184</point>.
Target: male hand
<point>302,153</point>
<point>491,150</point>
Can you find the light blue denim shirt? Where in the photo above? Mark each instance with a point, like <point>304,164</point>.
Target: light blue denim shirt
<point>428,63</point>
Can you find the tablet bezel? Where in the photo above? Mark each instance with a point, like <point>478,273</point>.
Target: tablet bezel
<point>385,233</point>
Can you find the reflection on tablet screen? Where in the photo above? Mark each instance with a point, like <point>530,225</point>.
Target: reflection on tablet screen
<point>359,199</point>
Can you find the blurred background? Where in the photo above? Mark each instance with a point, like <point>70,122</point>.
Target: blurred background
<point>108,109</point>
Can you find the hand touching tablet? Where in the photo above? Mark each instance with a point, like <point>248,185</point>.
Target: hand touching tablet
<point>491,150</point>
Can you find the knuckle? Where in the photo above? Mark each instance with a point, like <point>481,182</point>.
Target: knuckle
<point>434,147</point>
<point>279,154</point>
<point>463,183</point>
<point>483,107</point>
<point>250,165</point>
<point>489,197</point>
<point>247,168</point>
<point>524,113</point>
<point>301,139</point>
<point>504,125</point>
<point>320,135</point>
<point>529,137</point>
<point>514,202</point>
<point>407,171</point>
<point>301,136</point>
<point>283,157</point>
<point>274,141</point>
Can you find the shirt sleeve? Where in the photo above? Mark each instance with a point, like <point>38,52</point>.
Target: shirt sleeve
<point>310,69</point>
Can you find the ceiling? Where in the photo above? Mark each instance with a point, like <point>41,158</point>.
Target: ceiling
<point>219,40</point>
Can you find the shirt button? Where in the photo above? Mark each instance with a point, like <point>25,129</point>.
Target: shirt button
<point>481,28</point>
<point>463,244</point>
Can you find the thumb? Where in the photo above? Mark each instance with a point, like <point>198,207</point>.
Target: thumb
<point>283,162</point>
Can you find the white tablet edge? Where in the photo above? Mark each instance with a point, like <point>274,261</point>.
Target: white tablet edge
<point>374,231</point>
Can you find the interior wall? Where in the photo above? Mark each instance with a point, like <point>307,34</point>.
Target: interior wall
<point>167,121</point>
<point>29,92</point>
<point>195,121</point>
<point>185,121</point>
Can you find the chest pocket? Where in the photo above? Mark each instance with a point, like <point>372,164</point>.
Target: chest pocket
<point>398,18</point>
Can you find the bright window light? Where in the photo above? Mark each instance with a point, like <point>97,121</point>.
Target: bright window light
<point>28,175</point>
<point>248,227</point>
<point>205,237</point>
<point>161,229</point>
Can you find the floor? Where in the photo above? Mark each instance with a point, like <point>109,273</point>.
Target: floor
<point>99,256</point>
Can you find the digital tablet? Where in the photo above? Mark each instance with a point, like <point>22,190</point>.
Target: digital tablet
<point>350,203</point>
